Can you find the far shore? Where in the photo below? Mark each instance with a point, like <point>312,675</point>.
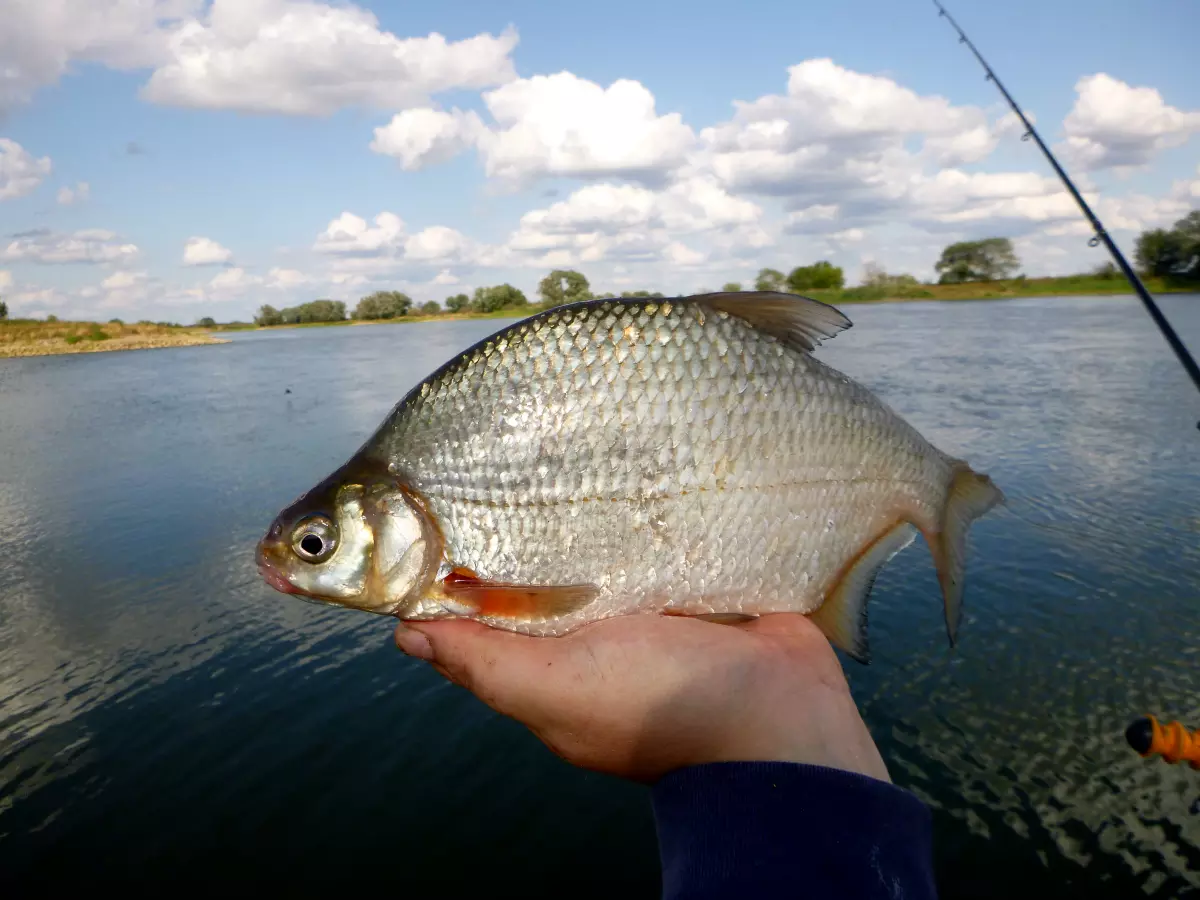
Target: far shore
<point>14,345</point>
<point>36,338</point>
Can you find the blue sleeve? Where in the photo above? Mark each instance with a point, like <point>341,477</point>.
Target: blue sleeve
<point>767,830</point>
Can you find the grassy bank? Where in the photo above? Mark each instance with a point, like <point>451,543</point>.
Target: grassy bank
<point>1071,285</point>
<point>31,337</point>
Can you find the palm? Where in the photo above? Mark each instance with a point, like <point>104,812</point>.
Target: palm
<point>641,695</point>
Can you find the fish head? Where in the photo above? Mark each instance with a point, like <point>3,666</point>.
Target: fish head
<point>365,543</point>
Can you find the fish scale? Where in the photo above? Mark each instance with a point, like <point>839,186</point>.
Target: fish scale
<point>788,439</point>
<point>628,456</point>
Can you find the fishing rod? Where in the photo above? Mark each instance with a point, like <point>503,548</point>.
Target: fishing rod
<point>1101,235</point>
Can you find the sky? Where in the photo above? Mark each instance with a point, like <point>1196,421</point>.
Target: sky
<point>172,159</point>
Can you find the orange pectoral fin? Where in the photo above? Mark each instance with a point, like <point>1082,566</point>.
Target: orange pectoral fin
<point>517,601</point>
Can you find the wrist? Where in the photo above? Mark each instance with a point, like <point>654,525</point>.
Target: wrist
<point>821,731</point>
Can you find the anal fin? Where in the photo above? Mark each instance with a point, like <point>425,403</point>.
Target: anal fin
<point>726,618</point>
<point>516,601</point>
<point>842,617</point>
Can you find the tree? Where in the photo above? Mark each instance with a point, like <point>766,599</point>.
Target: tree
<point>732,287</point>
<point>769,280</point>
<point>634,294</point>
<point>430,308</point>
<point>1189,226</point>
<point>1160,252</point>
<point>501,296</point>
<point>563,286</point>
<point>1174,252</point>
<point>383,305</point>
<point>457,303</point>
<point>206,322</point>
<point>315,311</point>
<point>268,315</point>
<point>3,310</point>
<point>874,275</point>
<point>987,260</point>
<point>820,275</point>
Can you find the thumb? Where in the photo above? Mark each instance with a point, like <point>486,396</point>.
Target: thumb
<point>507,671</point>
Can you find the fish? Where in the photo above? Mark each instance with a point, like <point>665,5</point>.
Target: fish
<point>672,456</point>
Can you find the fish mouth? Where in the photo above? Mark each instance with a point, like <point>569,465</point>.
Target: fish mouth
<point>271,575</point>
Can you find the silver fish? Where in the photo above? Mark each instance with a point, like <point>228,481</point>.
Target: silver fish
<point>686,456</point>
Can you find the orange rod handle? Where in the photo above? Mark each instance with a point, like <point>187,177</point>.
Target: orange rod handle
<point>1172,741</point>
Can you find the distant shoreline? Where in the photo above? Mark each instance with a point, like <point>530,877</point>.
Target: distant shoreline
<point>59,347</point>
<point>66,338</point>
<point>1014,289</point>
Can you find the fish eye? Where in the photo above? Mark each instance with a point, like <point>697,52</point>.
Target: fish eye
<point>314,539</point>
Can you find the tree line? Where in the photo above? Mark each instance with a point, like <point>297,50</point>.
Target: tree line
<point>1173,253</point>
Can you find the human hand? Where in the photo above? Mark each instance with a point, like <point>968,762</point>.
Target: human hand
<point>641,695</point>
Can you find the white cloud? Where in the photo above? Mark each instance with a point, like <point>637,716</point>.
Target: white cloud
<point>93,245</point>
<point>837,150</point>
<point>848,236</point>
<point>123,280</point>
<point>1115,125</point>
<point>548,125</point>
<point>696,204</point>
<point>626,221</point>
<point>202,251</point>
<point>306,58</point>
<point>437,243</point>
<point>122,290</point>
<point>6,279</point>
<point>20,173</point>
<point>422,137</point>
<point>289,56</point>
<point>829,107</point>
<point>1138,212</point>
<point>78,194</point>
<point>361,252</point>
<point>443,277</point>
<point>563,125</point>
<point>350,234</point>
<point>286,279</point>
<point>815,218</point>
<point>41,38</point>
<point>681,255</point>
<point>1187,190</point>
<point>234,279</point>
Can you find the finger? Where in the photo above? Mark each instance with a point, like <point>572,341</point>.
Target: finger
<point>510,672</point>
<point>412,642</point>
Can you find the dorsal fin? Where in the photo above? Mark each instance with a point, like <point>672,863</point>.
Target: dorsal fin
<point>800,322</point>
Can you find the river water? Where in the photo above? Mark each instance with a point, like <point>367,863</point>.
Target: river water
<point>167,718</point>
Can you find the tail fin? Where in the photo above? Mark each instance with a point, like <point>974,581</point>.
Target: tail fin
<point>970,496</point>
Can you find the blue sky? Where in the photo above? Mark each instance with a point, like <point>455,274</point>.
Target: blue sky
<point>178,158</point>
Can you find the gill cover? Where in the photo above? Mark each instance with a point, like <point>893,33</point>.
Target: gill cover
<point>407,548</point>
